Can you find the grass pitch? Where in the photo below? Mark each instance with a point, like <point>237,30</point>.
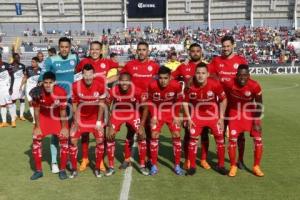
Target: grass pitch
<point>280,163</point>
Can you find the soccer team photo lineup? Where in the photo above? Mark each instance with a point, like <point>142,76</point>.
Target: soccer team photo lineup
<point>149,99</point>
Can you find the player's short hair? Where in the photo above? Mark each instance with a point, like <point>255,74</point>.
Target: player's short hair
<point>52,50</point>
<point>143,43</point>
<point>243,67</point>
<point>15,54</point>
<point>39,53</point>
<point>125,74</point>
<point>113,55</point>
<point>202,65</point>
<point>173,53</point>
<point>164,70</point>
<point>195,45</point>
<point>49,75</point>
<point>88,67</point>
<point>64,39</point>
<point>96,42</point>
<point>227,38</point>
<point>35,58</point>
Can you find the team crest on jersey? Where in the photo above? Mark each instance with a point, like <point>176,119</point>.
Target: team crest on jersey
<point>20,66</point>
<point>72,62</point>
<point>103,65</point>
<point>210,93</point>
<point>38,72</point>
<point>96,94</point>
<point>233,132</point>
<point>150,68</point>
<point>236,65</point>
<point>170,94</point>
<point>156,96</point>
<point>188,69</point>
<point>193,131</point>
<point>135,68</point>
<point>193,95</point>
<point>247,93</point>
<point>56,102</point>
<point>133,99</point>
<point>3,67</point>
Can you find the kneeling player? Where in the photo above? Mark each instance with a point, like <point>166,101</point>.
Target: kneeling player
<point>126,101</point>
<point>50,118</point>
<point>245,106</point>
<point>204,94</point>
<point>165,97</point>
<point>88,99</point>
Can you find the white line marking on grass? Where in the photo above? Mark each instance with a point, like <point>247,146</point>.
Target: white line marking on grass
<point>282,88</point>
<point>124,194</point>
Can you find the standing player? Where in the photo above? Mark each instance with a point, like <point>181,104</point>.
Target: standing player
<point>18,70</point>
<point>224,68</point>
<point>142,71</point>
<point>63,66</point>
<point>88,99</point>
<point>165,98</point>
<point>102,66</point>
<point>50,109</point>
<point>30,81</point>
<point>185,72</point>
<point>206,97</point>
<point>5,91</point>
<point>126,100</point>
<point>244,111</point>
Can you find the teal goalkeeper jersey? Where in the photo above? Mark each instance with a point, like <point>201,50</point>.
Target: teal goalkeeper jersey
<point>63,69</point>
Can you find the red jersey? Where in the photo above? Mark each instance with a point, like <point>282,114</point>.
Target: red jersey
<point>126,101</point>
<point>164,98</point>
<point>239,97</point>
<point>185,71</point>
<point>142,73</point>
<point>51,103</point>
<point>88,98</point>
<point>205,99</point>
<point>225,68</point>
<point>101,66</point>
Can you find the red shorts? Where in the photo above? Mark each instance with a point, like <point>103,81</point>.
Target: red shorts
<point>166,118</point>
<point>200,124</point>
<point>49,126</point>
<point>130,118</point>
<point>242,125</point>
<point>88,126</point>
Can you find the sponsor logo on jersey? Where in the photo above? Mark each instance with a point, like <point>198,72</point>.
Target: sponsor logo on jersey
<point>150,68</point>
<point>221,65</point>
<point>135,68</point>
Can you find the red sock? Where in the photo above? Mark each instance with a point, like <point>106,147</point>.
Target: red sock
<point>63,144</point>
<point>111,146</point>
<point>220,152</point>
<point>176,150</point>
<point>241,146</point>
<point>142,152</point>
<point>257,151</point>
<point>232,152</point>
<point>73,156</point>
<point>99,151</point>
<point>154,150</point>
<point>204,145</point>
<point>127,149</point>
<point>85,138</point>
<point>186,143</point>
<point>192,152</point>
<point>37,154</point>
